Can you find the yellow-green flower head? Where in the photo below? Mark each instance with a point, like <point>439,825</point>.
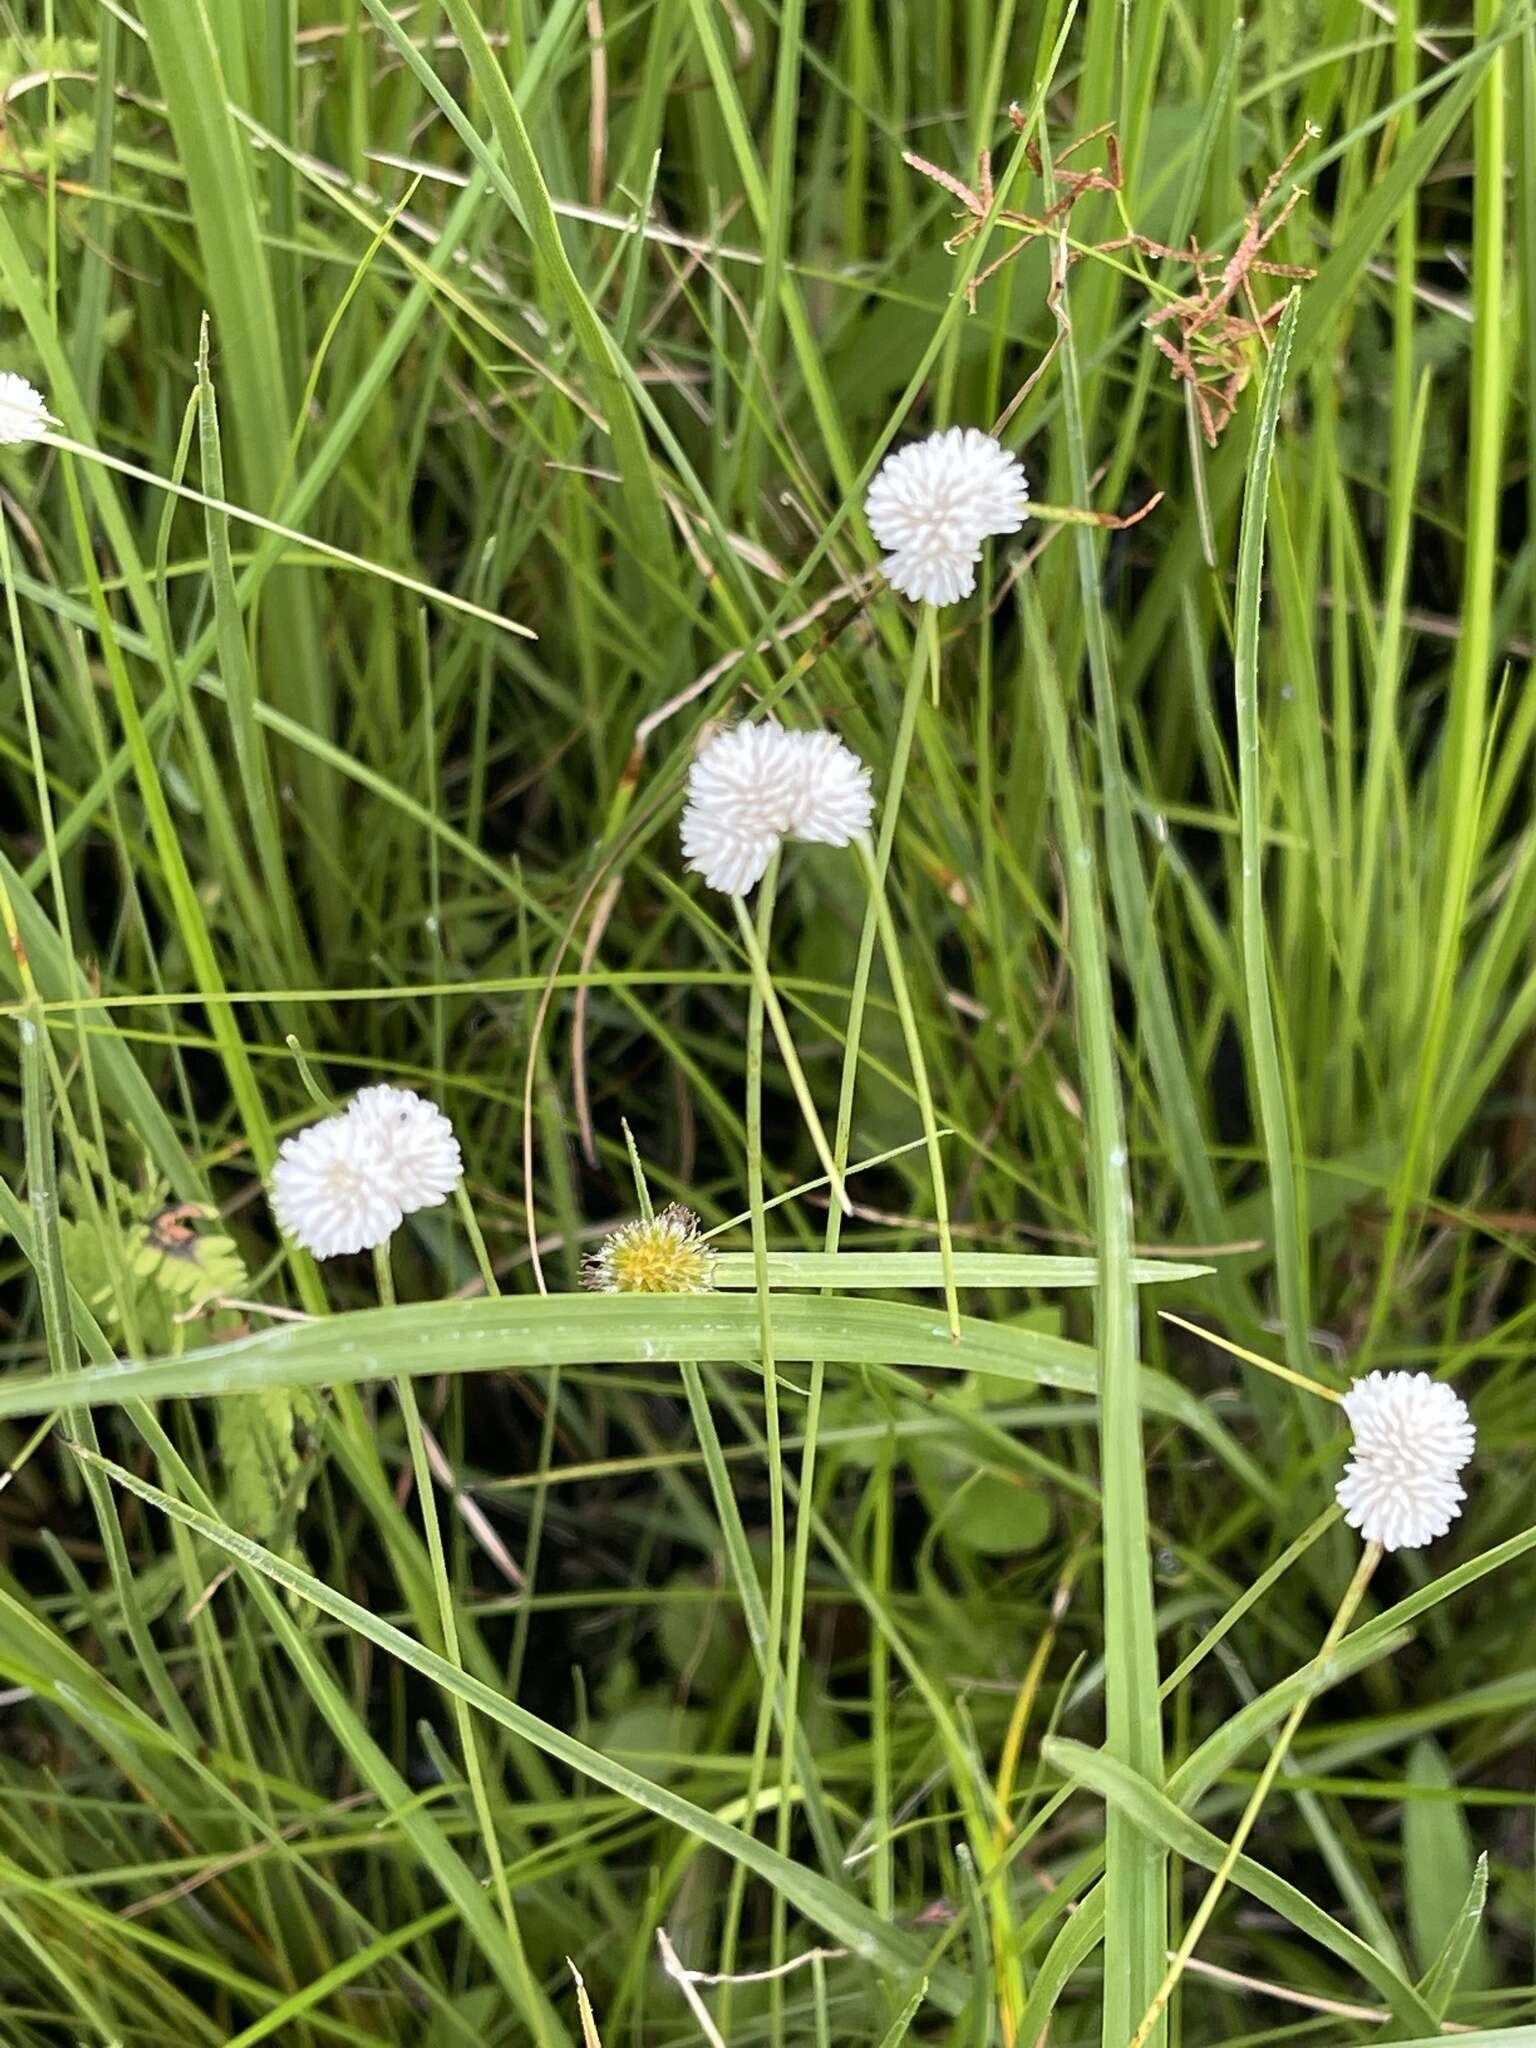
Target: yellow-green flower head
<point>663,1254</point>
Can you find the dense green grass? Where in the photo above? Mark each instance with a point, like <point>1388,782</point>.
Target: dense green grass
<point>370,1664</point>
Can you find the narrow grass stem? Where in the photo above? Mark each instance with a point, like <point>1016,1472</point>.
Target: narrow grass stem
<point>919,1065</point>
<point>763,984</point>
<point>1136,1875</point>
<point>769,1698</point>
<point>469,1744</point>
<point>925,660</point>
<point>1354,1593</point>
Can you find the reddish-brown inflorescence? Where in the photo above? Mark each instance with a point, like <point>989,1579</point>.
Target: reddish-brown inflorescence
<point>1209,352</point>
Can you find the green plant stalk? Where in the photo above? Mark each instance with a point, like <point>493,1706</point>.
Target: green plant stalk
<point>122,1293</point>
<point>520,182</point>
<point>762,983</point>
<point>1458,810</point>
<point>63,1347</point>
<point>1286,1185</point>
<point>167,842</point>
<point>536,2010</point>
<point>240,689</point>
<point>772,1695</point>
<point>221,191</point>
<point>1128,890</point>
<point>1136,1868</point>
<point>924,661</point>
<point>343,557</point>
<point>842,1916</point>
<point>919,1065</point>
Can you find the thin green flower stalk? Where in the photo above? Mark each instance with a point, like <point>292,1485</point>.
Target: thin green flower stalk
<point>469,1745</point>
<point>749,789</point>
<point>762,983</point>
<point>773,1645</point>
<point>924,664</point>
<point>919,1065</point>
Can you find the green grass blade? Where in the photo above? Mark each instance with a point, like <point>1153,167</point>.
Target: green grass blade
<point>825,1904</point>
<point>1155,1813</point>
<point>1136,1872</point>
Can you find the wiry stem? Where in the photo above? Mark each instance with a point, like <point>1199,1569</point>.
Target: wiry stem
<point>797,1081</point>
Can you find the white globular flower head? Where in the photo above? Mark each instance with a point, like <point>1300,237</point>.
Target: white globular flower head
<point>330,1189</point>
<point>1413,1435</point>
<point>741,791</point>
<point>424,1163</point>
<point>933,503</point>
<point>833,802</point>
<point>23,414</point>
<point>347,1183</point>
<point>753,787</point>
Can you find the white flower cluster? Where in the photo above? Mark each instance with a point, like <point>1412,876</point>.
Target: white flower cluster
<point>345,1183</point>
<point>933,503</point>
<point>1413,1434</point>
<point>751,788</point>
<point>23,414</point>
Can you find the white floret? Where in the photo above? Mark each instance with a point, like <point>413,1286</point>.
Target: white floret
<point>932,504</point>
<point>421,1154</point>
<point>330,1189</point>
<point>1412,1436</point>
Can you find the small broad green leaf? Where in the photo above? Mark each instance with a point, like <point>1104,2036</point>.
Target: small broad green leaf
<point>266,1475</point>
<point>701,1640</point>
<point>997,1515</point>
<point>1439,1868</point>
<point>655,1736</point>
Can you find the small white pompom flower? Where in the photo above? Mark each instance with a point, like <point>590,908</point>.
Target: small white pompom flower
<point>757,785</point>
<point>833,802</point>
<point>1413,1434</point>
<point>422,1161</point>
<point>23,415</point>
<point>662,1254</point>
<point>741,791</point>
<point>331,1190</point>
<point>933,503</point>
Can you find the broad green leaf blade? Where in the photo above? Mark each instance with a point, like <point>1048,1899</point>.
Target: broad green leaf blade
<point>925,1269</point>
<point>530,1332</point>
